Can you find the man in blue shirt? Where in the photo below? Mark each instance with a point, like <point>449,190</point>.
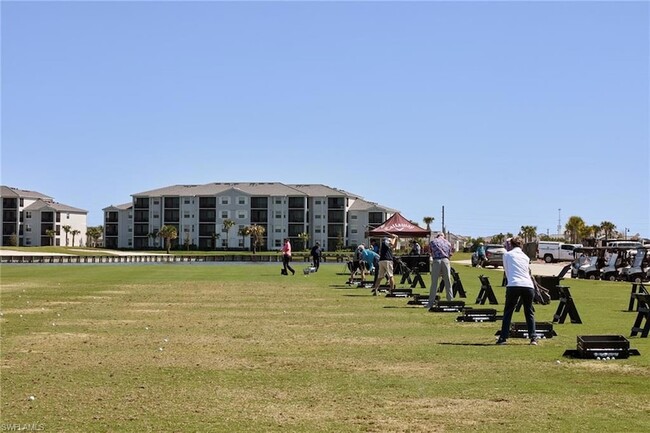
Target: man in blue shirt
<point>370,259</point>
<point>480,254</point>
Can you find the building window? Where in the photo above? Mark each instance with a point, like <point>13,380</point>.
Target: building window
<point>28,241</point>
<point>224,214</point>
<point>353,217</point>
<point>241,200</point>
<point>186,201</point>
<point>353,231</point>
<point>241,215</point>
<point>28,228</point>
<point>278,215</point>
<point>277,243</point>
<point>317,202</point>
<point>278,201</point>
<point>317,230</point>
<point>225,200</point>
<point>155,216</point>
<point>317,217</point>
<point>67,216</point>
<point>186,215</point>
<point>278,230</point>
<point>156,202</point>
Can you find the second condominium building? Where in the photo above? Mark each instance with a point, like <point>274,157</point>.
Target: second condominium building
<point>201,215</point>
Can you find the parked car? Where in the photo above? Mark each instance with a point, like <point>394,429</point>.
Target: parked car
<point>493,256</point>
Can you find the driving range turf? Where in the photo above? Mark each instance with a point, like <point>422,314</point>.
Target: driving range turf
<point>240,348</point>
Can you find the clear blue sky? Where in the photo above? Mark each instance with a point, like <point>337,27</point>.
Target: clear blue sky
<point>502,112</point>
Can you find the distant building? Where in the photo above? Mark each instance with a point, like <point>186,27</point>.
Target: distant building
<point>28,216</point>
<point>328,215</point>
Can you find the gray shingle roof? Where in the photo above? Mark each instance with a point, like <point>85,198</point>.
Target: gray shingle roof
<point>8,191</point>
<point>59,207</point>
<point>123,206</point>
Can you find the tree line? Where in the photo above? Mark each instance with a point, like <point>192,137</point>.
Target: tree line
<point>576,230</point>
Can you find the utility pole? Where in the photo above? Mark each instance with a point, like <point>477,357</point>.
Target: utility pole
<point>443,220</point>
<point>559,221</point>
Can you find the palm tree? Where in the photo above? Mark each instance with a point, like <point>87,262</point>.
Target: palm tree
<point>168,233</point>
<point>607,228</point>
<point>498,239</point>
<point>592,230</point>
<point>153,236</point>
<point>243,232</point>
<point>528,233</point>
<point>214,237</point>
<point>304,237</point>
<point>50,234</point>
<point>94,234</point>
<point>428,220</point>
<point>74,233</point>
<point>66,229</point>
<point>227,225</point>
<point>575,227</point>
<point>257,235</point>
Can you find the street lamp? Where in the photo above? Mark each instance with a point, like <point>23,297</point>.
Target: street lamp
<point>626,232</point>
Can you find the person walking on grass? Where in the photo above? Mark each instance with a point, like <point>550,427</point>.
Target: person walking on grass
<point>441,251</point>
<point>480,254</point>
<point>286,258</point>
<point>386,264</point>
<point>516,265</point>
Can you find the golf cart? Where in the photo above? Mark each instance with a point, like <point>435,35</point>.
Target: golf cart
<point>588,262</point>
<point>618,259</point>
<point>639,267</point>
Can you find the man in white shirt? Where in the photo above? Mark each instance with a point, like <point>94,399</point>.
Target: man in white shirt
<point>516,265</point>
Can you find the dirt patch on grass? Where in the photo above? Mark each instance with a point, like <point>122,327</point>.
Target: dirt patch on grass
<point>17,287</point>
<point>64,302</point>
<point>25,310</point>
<point>611,366</point>
<point>147,311</point>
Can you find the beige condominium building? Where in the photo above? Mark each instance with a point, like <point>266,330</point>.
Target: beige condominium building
<point>30,218</point>
<point>211,216</point>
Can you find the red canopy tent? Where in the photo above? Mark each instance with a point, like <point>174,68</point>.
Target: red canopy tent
<point>400,226</point>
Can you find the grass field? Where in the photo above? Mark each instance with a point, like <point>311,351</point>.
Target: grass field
<point>240,348</point>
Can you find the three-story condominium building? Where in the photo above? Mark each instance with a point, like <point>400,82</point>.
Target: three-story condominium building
<point>214,215</point>
<point>30,218</point>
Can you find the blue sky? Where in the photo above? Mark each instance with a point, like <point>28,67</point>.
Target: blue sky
<point>502,112</point>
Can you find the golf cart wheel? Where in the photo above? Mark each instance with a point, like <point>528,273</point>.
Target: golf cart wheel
<point>610,277</point>
<point>548,258</point>
<point>638,280</point>
<point>591,276</point>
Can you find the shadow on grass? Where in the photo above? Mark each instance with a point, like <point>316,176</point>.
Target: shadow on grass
<point>468,344</point>
<point>405,306</point>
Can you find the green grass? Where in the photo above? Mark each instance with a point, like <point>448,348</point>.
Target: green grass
<point>245,349</point>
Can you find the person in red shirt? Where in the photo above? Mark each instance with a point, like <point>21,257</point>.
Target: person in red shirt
<point>286,258</point>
